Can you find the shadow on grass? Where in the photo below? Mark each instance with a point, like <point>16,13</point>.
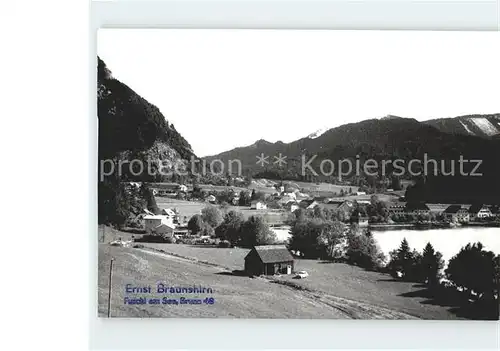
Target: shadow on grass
<point>454,300</point>
<point>392,280</point>
<point>328,261</point>
<point>235,273</point>
<point>203,246</point>
<point>133,230</point>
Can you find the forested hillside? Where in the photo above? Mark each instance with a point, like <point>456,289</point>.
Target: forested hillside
<point>131,128</point>
<point>386,139</point>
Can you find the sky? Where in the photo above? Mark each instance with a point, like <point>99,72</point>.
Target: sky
<point>228,88</point>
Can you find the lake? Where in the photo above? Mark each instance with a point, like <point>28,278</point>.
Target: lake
<point>282,233</point>
<point>447,241</point>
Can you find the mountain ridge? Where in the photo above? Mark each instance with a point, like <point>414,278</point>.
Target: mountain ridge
<point>132,132</point>
<point>485,125</point>
<point>379,139</point>
<point>438,123</point>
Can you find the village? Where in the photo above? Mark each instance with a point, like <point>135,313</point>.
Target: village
<point>247,215</point>
<point>244,244</point>
<point>376,211</point>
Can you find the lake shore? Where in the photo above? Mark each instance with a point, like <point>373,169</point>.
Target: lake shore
<point>436,225</point>
<point>448,242</point>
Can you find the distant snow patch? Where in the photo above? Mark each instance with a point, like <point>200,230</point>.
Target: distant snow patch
<point>486,126</point>
<point>467,128</point>
<point>317,133</point>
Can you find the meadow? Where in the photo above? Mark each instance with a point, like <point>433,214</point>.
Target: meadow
<point>363,293</point>
<point>190,208</point>
<point>235,296</point>
<point>321,187</point>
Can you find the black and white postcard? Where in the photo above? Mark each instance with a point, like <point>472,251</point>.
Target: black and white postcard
<point>306,174</point>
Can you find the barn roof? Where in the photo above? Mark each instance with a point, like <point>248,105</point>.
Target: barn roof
<point>168,211</point>
<point>330,206</point>
<point>416,206</point>
<point>455,208</point>
<point>272,253</point>
<point>307,203</point>
<point>476,208</point>
<point>154,217</point>
<point>495,209</point>
<point>438,207</point>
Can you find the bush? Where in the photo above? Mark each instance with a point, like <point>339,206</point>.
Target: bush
<point>187,241</point>
<point>170,240</point>
<point>431,265</point>
<point>155,239</point>
<point>363,251</point>
<point>212,216</point>
<point>475,270</point>
<point>224,244</point>
<point>305,234</point>
<point>207,230</point>
<point>195,224</point>
<point>255,231</point>
<point>230,228</point>
<point>404,262</point>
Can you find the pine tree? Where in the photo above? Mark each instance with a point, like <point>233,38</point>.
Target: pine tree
<point>252,197</point>
<point>404,259</point>
<point>431,265</point>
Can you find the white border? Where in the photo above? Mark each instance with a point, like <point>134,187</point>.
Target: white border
<point>477,15</point>
<point>292,334</point>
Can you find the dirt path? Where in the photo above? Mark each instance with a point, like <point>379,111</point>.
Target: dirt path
<point>358,310</point>
<point>350,309</point>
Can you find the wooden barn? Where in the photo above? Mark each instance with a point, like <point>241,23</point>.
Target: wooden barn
<point>269,260</point>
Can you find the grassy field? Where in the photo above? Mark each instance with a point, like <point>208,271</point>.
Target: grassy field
<point>322,187</point>
<point>332,290</point>
<point>331,282</point>
<point>186,208</point>
<point>107,234</point>
<point>367,197</point>
<point>235,296</point>
<point>229,258</point>
<point>221,188</point>
<point>190,208</point>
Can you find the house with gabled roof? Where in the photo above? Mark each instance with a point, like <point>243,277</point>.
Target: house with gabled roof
<point>292,206</point>
<point>479,211</point>
<point>308,204</point>
<point>457,214</point>
<point>417,208</point>
<point>495,210</point>
<point>269,260</point>
<point>151,222</point>
<point>345,206</point>
<point>258,205</point>
<point>286,199</point>
<point>165,230</point>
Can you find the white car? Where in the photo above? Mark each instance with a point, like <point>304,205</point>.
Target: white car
<point>301,274</point>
